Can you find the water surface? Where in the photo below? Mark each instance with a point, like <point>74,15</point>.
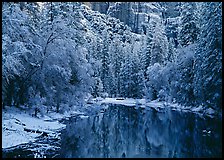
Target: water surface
<point>123,131</point>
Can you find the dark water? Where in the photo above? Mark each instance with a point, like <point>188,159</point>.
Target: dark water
<point>121,131</point>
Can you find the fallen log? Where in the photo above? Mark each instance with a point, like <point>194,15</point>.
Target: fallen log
<point>43,133</point>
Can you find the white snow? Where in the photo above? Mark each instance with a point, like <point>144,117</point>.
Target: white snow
<point>14,121</point>
<point>151,6</point>
<point>132,102</point>
<point>143,103</point>
<point>210,111</point>
<point>82,116</point>
<point>197,109</point>
<point>127,102</point>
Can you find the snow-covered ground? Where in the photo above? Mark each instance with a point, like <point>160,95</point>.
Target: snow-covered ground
<point>14,120</point>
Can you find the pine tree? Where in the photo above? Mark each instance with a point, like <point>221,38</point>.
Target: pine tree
<point>159,45</point>
<point>131,74</point>
<point>125,75</point>
<point>138,89</point>
<point>208,62</point>
<point>171,56</point>
<point>148,46</point>
<point>116,52</point>
<point>153,81</point>
<point>156,44</point>
<point>105,75</point>
<point>184,71</point>
<point>189,29</point>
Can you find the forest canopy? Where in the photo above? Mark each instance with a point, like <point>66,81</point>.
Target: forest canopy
<point>59,53</point>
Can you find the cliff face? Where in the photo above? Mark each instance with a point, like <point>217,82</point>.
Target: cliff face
<point>172,10</point>
<point>134,14</point>
<point>102,7</point>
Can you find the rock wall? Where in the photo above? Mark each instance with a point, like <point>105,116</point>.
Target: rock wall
<point>134,14</point>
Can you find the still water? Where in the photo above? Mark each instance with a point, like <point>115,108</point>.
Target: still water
<point>122,131</point>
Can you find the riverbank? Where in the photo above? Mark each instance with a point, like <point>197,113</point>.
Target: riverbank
<point>19,126</point>
<point>201,110</point>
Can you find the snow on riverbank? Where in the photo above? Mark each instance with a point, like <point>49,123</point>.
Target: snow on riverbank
<point>14,121</point>
<point>156,105</point>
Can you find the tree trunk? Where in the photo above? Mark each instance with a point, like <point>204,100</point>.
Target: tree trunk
<point>57,107</point>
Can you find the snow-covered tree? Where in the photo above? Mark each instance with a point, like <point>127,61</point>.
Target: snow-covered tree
<point>208,58</point>
<point>146,58</point>
<point>97,87</point>
<point>185,74</point>
<point>60,52</point>
<point>159,45</point>
<point>137,75</point>
<point>131,74</point>
<point>48,57</point>
<point>115,53</point>
<point>20,53</point>
<point>125,75</point>
<point>153,82</point>
<point>188,29</point>
<point>105,60</point>
<point>156,43</point>
<point>171,54</point>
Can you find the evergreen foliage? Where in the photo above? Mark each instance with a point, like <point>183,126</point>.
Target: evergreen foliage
<point>59,53</point>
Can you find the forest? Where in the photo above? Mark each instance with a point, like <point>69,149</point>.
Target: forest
<point>55,55</point>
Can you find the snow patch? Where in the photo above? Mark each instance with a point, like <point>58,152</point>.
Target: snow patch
<point>143,103</point>
<point>14,121</point>
<point>210,111</point>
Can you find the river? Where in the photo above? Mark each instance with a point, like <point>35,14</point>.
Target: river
<point>131,131</point>
<point>123,131</point>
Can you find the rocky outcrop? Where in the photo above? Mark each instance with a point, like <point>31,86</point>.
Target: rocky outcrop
<point>133,14</point>
<point>171,10</point>
<point>102,7</point>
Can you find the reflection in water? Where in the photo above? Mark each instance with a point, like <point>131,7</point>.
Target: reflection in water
<point>122,131</point>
